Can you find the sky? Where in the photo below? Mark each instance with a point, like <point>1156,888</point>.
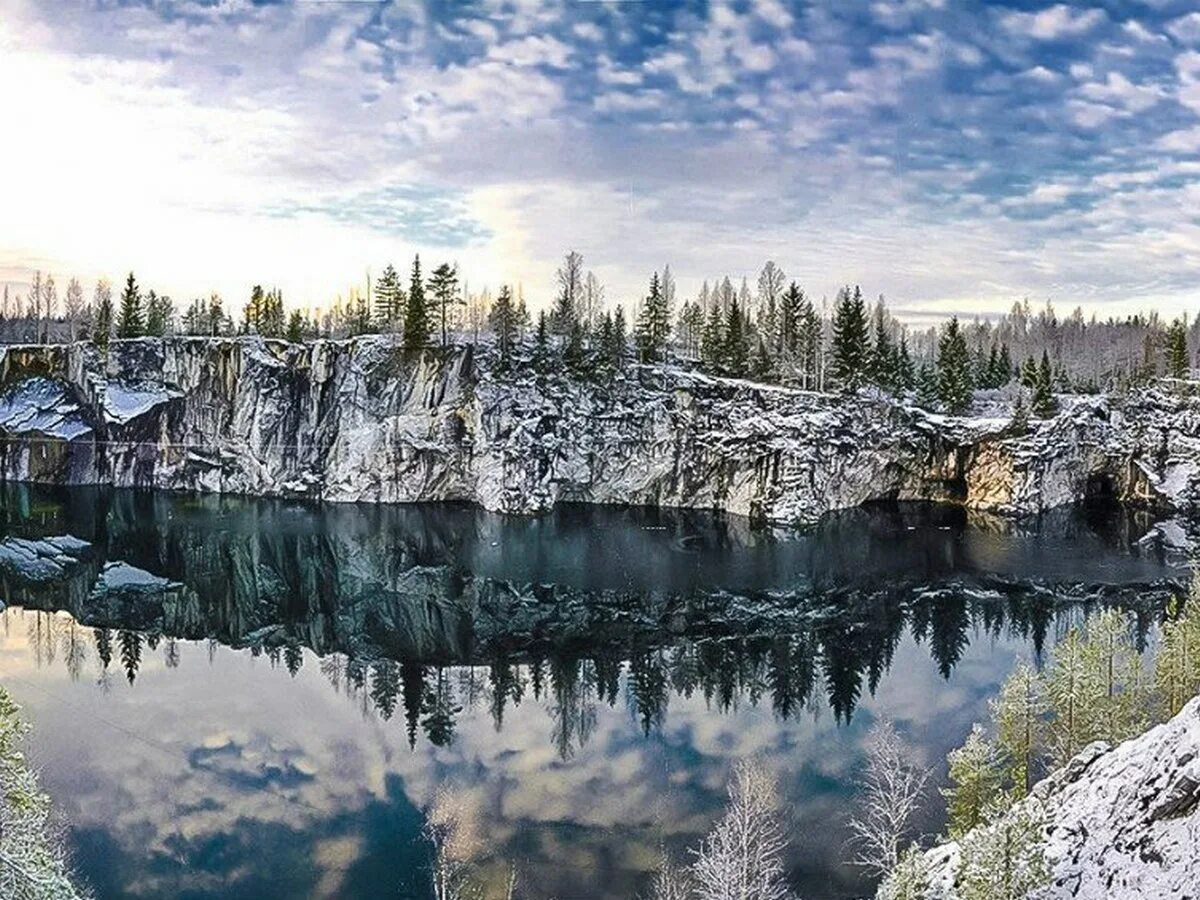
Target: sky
<point>953,155</point>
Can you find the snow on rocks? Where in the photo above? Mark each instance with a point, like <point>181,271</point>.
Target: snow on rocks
<point>1122,822</point>
<point>361,420</point>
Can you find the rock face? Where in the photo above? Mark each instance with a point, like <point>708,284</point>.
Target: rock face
<point>359,420</point>
<point>1122,822</point>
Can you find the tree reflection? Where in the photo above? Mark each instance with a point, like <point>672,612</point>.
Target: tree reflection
<point>416,616</point>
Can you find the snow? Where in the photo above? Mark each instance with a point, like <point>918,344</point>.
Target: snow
<point>1124,822</point>
<point>41,406</point>
<point>125,402</point>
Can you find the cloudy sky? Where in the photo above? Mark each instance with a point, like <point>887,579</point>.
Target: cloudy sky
<point>952,155</point>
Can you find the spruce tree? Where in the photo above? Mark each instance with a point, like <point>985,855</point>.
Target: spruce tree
<point>927,387</point>
<point>1043,401</point>
<point>810,347</point>
<point>503,322</point>
<point>906,377</point>
<point>620,339</point>
<point>883,358</point>
<point>1029,373</point>
<point>735,356</point>
<point>131,323</point>
<point>417,326</point>
<point>954,378</point>
<point>712,342</point>
<point>295,328</point>
<point>1177,360</point>
<point>851,349</point>
<point>975,783</point>
<point>790,311</point>
<point>654,324</point>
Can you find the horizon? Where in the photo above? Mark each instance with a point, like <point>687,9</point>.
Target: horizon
<point>956,161</point>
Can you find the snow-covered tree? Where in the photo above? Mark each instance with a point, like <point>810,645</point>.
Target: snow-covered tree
<point>453,833</point>
<point>33,862</point>
<point>851,350</point>
<point>909,880</point>
<point>742,857</point>
<point>1122,699</point>
<point>1005,860</point>
<point>654,324</point>
<point>1073,694</point>
<point>1043,389</point>
<point>1177,358</point>
<point>954,374</point>
<point>1018,713</point>
<point>974,783</point>
<point>671,881</point>
<point>891,791</point>
<point>73,308</point>
<point>1177,668</point>
<point>570,290</point>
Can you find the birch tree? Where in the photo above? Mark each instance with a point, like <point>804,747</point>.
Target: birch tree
<point>892,789</point>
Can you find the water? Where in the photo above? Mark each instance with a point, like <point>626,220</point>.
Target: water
<point>239,698</point>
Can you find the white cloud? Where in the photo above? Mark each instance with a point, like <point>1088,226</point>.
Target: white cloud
<point>1054,22</point>
<point>1186,29</point>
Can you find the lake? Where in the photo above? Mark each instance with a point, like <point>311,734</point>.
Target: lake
<point>256,699</point>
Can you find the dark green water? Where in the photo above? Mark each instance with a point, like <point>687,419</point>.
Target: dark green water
<point>254,699</point>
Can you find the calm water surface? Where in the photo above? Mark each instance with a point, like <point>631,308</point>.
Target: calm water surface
<point>255,699</point>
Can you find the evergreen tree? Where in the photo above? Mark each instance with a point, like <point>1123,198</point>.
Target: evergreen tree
<point>1029,373</point>
<point>389,299</point>
<point>542,357</point>
<point>735,356</point>
<point>1020,416</point>
<point>503,322</point>
<point>974,783</point>
<point>790,313</point>
<point>712,342</point>
<point>909,880</point>
<point>761,365</point>
<point>295,328</point>
<point>1177,669</point>
<point>1177,360</point>
<point>573,349</point>
<point>1018,713</point>
<point>620,339</point>
<point>1043,390</point>
<point>1004,371</point>
<point>954,378</point>
<point>443,284</point>
<point>1116,669</point>
<point>927,387</point>
<point>1073,695</point>
<point>654,324</point>
<point>102,323</point>
<point>809,350</point>
<point>159,312</point>
<point>1007,859</point>
<point>851,345</point>
<point>905,374</point>
<point>883,358</point>
<point>131,323</point>
<point>416,314</point>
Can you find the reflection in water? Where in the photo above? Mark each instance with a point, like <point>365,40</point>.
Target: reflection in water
<point>618,639</point>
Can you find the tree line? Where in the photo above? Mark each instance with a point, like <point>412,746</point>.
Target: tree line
<point>774,332</point>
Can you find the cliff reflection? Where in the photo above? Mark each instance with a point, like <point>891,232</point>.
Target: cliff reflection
<point>418,613</point>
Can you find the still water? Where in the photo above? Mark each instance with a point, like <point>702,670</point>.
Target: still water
<point>256,699</point>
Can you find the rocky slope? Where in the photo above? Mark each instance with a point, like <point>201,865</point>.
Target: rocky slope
<point>359,421</point>
<point>1122,822</point>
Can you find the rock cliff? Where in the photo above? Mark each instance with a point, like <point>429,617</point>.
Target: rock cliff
<point>360,420</point>
<point>1121,822</point>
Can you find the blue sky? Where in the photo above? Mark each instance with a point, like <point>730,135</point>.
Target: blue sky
<point>955,156</point>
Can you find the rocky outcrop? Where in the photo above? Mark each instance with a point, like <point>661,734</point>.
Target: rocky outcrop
<point>1121,822</point>
<point>360,420</point>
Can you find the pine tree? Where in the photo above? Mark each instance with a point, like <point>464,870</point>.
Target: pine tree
<point>654,324</point>
<point>1007,859</point>
<point>1043,390</point>
<point>1177,669</point>
<point>131,323</point>
<point>1073,695</point>
<point>1177,360</point>
<point>1115,667</point>
<point>389,297</point>
<point>909,880</point>
<point>503,322</point>
<point>443,284</point>
<point>851,346</point>
<point>416,314</point>
<point>954,378</point>
<point>1018,713</point>
<point>974,783</point>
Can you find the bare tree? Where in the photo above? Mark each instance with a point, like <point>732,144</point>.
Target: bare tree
<point>671,882</point>
<point>73,308</point>
<point>49,304</point>
<point>742,858</point>
<point>591,300</point>
<point>452,830</point>
<point>892,790</point>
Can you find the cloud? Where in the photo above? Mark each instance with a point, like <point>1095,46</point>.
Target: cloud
<point>1054,22</point>
<point>1185,29</point>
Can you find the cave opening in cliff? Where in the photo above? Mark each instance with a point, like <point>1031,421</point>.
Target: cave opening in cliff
<point>1100,488</point>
